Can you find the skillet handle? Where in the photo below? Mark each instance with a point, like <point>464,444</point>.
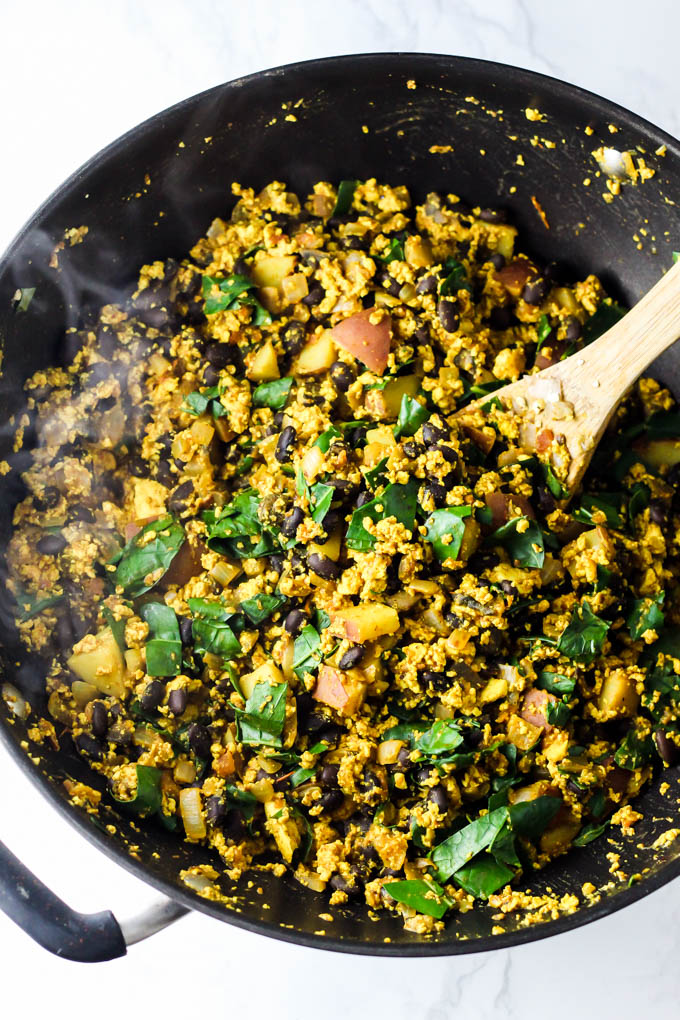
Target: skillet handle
<point>86,938</point>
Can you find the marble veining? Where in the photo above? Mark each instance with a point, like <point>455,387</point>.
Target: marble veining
<point>76,74</point>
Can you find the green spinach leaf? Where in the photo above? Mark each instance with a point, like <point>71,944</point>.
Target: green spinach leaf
<point>307,651</point>
<point>412,414</point>
<point>607,315</point>
<point>144,561</point>
<point>442,736</point>
<point>164,650</point>
<point>462,846</point>
<point>273,394</point>
<point>523,540</point>
<point>445,530</point>
<point>260,607</point>
<point>211,631</point>
<point>396,501</point>
<point>425,897</point>
<point>645,614</point>
<point>262,720</point>
<point>343,202</point>
<point>483,876</point>
<point>231,292</point>
<point>147,799</point>
<point>583,637</point>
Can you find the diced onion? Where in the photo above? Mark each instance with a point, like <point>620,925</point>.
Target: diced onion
<point>191,809</point>
<point>15,701</point>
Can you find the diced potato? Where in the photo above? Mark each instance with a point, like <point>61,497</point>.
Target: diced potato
<point>329,548</point>
<point>502,235</point>
<point>379,442</point>
<point>367,341</point>
<point>268,672</point>
<point>312,463</point>
<point>365,623</point>
<point>559,835</point>
<point>471,536</point>
<point>316,357</point>
<point>555,745</point>
<point>659,452</point>
<point>494,690</point>
<point>263,365</point>
<point>386,403</point>
<point>99,662</point>
<point>294,288</point>
<point>388,751</point>
<point>83,693</point>
<point>228,763</point>
<point>522,734</point>
<point>515,274</point>
<point>133,660</point>
<point>270,270</point>
<point>618,696</point>
<point>535,707</point>
<point>282,827</point>
<point>343,690</point>
<point>418,252</point>
<point>149,499</point>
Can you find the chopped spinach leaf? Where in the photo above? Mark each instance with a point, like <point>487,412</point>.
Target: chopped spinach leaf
<point>117,627</point>
<point>29,606</point>
<point>607,315</point>
<point>583,637</point>
<point>589,832</point>
<point>544,330</point>
<point>523,540</point>
<point>301,776</point>
<point>645,614</point>
<point>198,403</point>
<point>483,876</point>
<point>237,531</point>
<point>307,651</point>
<point>396,501</point>
<point>260,607</point>
<point>343,202</point>
<point>273,394</point>
<point>609,503</point>
<point>554,484</point>
<point>147,799</point>
<point>530,818</point>
<point>25,296</point>
<point>635,750</point>
<point>394,250</point>
<point>423,896</point>
<point>230,292</point>
<point>376,476</point>
<point>164,650</point>
<point>556,683</point>
<point>557,713</point>
<point>412,414</point>
<point>462,846</point>
<point>442,736</point>
<point>445,529</point>
<point>143,562</point>
<point>261,722</point>
<point>638,500</point>
<point>456,278</point>
<point>211,631</point>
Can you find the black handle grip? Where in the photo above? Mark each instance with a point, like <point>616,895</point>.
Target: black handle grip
<point>87,938</point>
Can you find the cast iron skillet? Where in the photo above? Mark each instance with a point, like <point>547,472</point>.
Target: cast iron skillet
<point>150,195</point>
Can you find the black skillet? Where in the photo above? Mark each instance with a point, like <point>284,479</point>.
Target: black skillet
<point>150,195</point>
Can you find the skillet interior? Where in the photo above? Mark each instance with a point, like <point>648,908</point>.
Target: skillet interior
<point>153,192</point>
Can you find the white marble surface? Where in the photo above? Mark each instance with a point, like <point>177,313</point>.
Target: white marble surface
<point>74,75</point>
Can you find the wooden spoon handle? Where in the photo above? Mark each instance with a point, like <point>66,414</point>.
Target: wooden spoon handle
<point>619,356</point>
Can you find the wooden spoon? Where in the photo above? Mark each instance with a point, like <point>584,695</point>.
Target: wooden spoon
<point>575,399</point>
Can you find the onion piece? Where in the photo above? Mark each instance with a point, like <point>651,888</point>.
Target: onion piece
<point>15,700</point>
<point>191,809</point>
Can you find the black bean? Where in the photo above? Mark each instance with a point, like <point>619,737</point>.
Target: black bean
<point>439,798</point>
<point>293,338</point>
<point>352,657</point>
<point>422,335</point>
<point>423,775</point>
<point>91,747</point>
<point>501,317</point>
<point>292,522</point>
<point>389,284</point>
<point>99,719</point>
<point>657,512</point>
<point>497,260</point>
<point>473,737</point>
<point>449,318</point>
<point>508,587</point>
<point>294,621</point>
<point>106,403</point>
<point>328,776</point>
<point>215,809</point>
<point>177,701</point>
<point>199,741</point>
<point>447,453</point>
<point>438,680</point>
<point>82,513</point>
<point>211,376</point>
<point>276,563</point>
<point>434,434</point>
<point>218,355</point>
<point>535,290</point>
<point>177,502</point>
<point>546,500</point>
<point>51,496</point>
<point>667,749</point>
<point>342,375</point>
<point>324,566</point>
<point>353,889</point>
<point>574,329</point>
<point>65,638</point>
<point>437,491</point>
<point>152,696</point>
<point>427,284</point>
<point>278,419</point>
<point>315,296</point>
<point>283,447</point>
<point>51,545</point>
<point>493,215</point>
<point>412,449</point>
<point>331,800</point>
<point>186,629</point>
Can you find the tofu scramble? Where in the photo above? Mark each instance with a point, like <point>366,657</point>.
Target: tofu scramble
<point>292,608</point>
